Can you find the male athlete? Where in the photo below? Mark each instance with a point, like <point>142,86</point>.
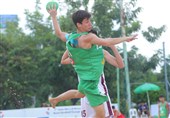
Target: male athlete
<point>88,57</point>
<point>163,107</point>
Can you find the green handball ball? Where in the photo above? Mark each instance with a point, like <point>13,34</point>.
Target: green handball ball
<point>50,5</point>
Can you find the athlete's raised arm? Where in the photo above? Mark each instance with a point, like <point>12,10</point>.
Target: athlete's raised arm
<point>93,39</point>
<point>58,32</point>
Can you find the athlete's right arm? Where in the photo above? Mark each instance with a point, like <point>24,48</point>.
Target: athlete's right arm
<point>93,39</point>
<point>167,107</point>
<point>58,32</point>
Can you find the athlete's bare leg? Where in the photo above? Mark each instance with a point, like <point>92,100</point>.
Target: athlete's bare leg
<point>100,111</point>
<point>70,94</point>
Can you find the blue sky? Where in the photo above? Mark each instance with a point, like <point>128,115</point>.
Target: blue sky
<point>154,13</point>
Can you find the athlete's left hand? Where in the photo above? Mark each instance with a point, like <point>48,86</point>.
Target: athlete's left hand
<point>131,38</point>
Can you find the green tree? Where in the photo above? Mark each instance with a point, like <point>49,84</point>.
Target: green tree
<point>16,62</point>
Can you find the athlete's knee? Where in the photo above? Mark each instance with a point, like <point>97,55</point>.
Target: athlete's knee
<point>100,112</point>
<point>79,95</point>
<point>100,115</point>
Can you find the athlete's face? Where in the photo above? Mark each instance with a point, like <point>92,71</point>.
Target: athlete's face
<point>85,26</point>
<point>161,99</point>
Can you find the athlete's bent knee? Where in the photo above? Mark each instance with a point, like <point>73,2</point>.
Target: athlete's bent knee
<point>100,112</point>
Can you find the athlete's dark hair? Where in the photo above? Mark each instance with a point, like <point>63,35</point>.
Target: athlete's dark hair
<point>93,31</point>
<point>79,16</point>
<point>161,96</point>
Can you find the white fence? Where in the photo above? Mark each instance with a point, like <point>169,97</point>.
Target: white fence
<point>48,112</point>
<point>45,112</point>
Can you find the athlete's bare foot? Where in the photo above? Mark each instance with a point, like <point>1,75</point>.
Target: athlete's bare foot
<point>53,102</point>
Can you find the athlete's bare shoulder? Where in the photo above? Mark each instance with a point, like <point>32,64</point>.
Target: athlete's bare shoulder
<point>88,37</point>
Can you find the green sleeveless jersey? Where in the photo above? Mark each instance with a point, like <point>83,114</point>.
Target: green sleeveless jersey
<point>163,110</point>
<point>88,63</point>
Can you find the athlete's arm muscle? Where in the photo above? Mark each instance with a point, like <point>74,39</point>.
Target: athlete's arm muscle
<point>58,32</point>
<point>116,60</point>
<point>93,39</point>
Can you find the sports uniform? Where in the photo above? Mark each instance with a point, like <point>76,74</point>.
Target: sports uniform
<point>92,81</point>
<point>87,111</point>
<point>163,110</point>
<point>89,64</point>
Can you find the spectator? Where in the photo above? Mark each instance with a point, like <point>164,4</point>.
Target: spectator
<point>143,109</point>
<point>163,107</point>
<point>117,114</point>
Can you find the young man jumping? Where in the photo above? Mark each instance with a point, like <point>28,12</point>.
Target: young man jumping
<point>87,56</point>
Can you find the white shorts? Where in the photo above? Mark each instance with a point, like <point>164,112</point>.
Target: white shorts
<point>88,112</point>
